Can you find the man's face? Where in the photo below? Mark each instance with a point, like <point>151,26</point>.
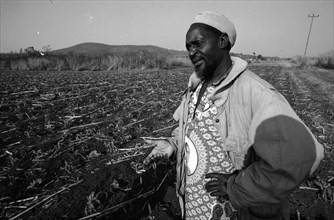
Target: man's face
<point>204,51</point>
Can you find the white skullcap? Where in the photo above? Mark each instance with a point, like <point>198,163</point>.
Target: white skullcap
<point>218,21</point>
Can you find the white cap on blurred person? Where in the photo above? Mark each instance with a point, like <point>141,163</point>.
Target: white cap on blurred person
<point>218,21</point>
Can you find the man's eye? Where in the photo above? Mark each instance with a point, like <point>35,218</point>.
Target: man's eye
<point>198,43</point>
<point>195,44</point>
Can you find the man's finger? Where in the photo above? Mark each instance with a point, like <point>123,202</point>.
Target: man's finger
<point>211,189</point>
<point>213,175</point>
<point>217,176</point>
<point>147,159</point>
<point>212,183</point>
<point>216,193</point>
<point>211,186</point>
<point>154,156</point>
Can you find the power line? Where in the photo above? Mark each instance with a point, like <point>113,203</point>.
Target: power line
<point>308,37</point>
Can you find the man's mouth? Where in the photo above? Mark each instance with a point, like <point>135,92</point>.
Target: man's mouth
<point>197,63</point>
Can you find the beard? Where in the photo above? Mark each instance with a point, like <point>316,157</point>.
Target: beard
<point>204,71</point>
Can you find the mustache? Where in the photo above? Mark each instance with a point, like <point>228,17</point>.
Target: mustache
<point>196,59</point>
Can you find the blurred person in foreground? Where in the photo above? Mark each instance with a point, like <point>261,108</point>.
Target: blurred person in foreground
<point>240,148</point>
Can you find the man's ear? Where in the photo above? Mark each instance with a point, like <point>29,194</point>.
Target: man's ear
<point>223,41</point>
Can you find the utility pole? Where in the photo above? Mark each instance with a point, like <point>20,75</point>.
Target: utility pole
<point>308,37</point>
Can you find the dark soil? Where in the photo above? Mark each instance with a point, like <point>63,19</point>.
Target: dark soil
<point>70,143</point>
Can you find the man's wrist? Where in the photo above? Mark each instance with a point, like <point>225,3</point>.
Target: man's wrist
<point>173,143</point>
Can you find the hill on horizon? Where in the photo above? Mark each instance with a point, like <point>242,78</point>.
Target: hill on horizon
<point>98,49</point>
<point>91,48</point>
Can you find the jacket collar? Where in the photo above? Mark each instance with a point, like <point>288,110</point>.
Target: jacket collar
<point>239,65</point>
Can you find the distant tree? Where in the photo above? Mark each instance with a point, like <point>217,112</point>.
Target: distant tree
<point>260,57</point>
<point>30,50</point>
<point>254,55</point>
<point>47,48</point>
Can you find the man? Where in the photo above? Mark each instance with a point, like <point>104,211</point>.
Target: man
<point>240,148</point>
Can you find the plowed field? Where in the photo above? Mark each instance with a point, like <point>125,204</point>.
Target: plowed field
<point>71,147</point>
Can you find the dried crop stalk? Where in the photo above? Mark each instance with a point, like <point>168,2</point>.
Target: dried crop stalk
<point>165,128</point>
<point>116,207</point>
<point>47,198</point>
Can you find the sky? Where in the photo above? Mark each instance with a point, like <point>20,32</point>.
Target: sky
<point>270,28</point>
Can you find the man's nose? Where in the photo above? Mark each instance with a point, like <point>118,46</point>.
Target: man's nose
<point>192,51</point>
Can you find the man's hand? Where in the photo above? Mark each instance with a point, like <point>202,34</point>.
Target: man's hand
<point>217,186</point>
<point>163,149</point>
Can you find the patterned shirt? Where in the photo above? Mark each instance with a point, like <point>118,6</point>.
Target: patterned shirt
<point>204,155</point>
